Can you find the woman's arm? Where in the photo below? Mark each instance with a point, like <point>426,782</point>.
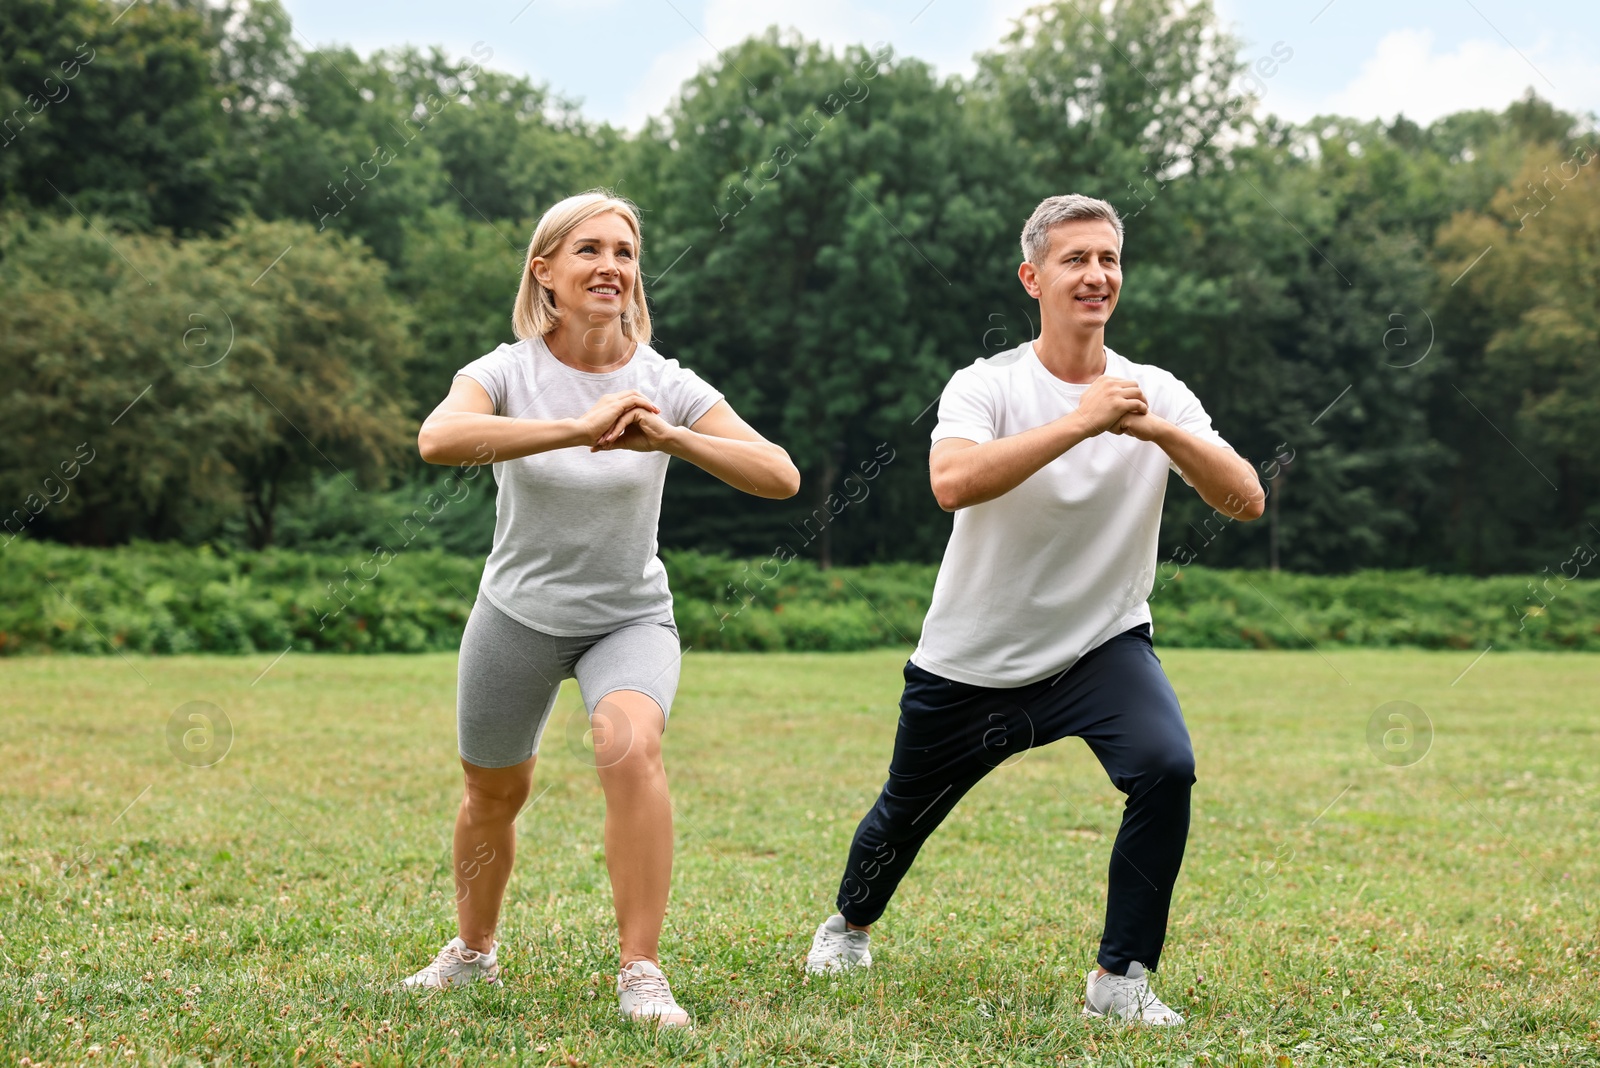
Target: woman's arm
<point>719,442</point>
<point>463,429</point>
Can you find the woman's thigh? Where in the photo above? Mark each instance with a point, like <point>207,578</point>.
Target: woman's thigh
<point>506,686</point>
<point>641,657</point>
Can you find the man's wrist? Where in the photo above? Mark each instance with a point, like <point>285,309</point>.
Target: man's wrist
<point>1162,432</point>
<point>1076,427</point>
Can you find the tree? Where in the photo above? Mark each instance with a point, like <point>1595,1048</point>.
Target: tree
<point>207,378</point>
<point>1531,262</point>
<point>824,234</point>
<point>112,112</point>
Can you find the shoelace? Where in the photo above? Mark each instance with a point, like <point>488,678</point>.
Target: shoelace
<point>1143,997</point>
<point>837,940</point>
<point>650,987</point>
<point>448,956</point>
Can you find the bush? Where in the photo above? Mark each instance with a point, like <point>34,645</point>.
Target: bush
<point>167,598</point>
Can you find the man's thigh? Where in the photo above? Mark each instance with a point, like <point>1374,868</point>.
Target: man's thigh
<point>954,730</point>
<point>1118,699</point>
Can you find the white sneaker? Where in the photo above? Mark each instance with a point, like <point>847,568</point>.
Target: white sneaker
<point>643,994</point>
<point>1127,997</point>
<point>836,948</point>
<point>456,965</point>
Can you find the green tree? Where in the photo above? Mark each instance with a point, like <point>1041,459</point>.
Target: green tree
<point>209,378</point>
<point>826,233</point>
<point>1536,278</point>
<point>112,111</point>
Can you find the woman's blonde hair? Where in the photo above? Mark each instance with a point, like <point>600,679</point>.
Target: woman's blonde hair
<point>535,313</point>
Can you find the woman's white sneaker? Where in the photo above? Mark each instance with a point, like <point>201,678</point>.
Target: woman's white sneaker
<point>1127,997</point>
<point>836,948</point>
<point>456,965</point>
<point>643,994</point>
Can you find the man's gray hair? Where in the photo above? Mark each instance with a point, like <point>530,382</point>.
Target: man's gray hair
<point>1053,211</point>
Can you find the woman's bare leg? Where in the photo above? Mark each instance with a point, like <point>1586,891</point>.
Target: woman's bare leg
<point>627,747</point>
<point>485,844</point>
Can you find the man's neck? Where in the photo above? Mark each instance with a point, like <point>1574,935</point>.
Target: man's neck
<point>1070,356</point>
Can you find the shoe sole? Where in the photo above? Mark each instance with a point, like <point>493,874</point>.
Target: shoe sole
<point>411,987</point>
<point>1090,1014</point>
<point>657,1020</point>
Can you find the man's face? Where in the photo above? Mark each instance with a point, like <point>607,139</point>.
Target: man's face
<point>1080,276</point>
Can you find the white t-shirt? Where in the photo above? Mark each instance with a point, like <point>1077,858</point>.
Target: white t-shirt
<point>1037,577</point>
<point>575,531</point>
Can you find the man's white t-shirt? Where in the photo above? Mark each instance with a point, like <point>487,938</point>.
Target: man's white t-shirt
<point>1039,576</point>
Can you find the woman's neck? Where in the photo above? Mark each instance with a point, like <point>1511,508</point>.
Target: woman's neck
<point>593,349</point>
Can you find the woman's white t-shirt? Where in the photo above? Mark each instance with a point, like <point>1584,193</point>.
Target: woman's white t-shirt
<point>575,531</point>
<point>1039,576</point>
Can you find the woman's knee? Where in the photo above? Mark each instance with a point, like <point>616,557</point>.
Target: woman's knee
<point>627,730</point>
<point>497,794</point>
<point>628,754</point>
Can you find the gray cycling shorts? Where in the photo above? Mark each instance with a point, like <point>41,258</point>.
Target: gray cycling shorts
<point>509,675</point>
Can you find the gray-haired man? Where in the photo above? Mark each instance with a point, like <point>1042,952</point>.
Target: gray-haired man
<point>1054,458</point>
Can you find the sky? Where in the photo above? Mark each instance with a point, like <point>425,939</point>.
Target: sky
<point>625,59</point>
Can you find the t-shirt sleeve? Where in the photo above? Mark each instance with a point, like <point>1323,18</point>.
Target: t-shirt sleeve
<point>685,395</point>
<point>966,409</point>
<point>1190,415</point>
<point>490,373</point>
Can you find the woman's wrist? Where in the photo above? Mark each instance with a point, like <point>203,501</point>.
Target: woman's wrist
<point>678,441</point>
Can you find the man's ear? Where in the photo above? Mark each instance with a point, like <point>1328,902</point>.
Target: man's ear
<point>1029,274</point>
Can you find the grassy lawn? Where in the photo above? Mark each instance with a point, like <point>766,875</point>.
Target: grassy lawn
<point>1334,908</point>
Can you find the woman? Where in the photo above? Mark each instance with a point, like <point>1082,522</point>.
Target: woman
<point>579,419</point>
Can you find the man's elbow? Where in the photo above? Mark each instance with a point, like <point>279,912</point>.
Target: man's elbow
<point>945,492</point>
<point>1253,507</point>
<point>1244,509</point>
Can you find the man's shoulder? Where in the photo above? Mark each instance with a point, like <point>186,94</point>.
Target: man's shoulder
<point>1001,363</point>
<point>989,373</point>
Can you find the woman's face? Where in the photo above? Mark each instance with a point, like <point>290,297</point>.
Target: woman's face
<point>592,274</point>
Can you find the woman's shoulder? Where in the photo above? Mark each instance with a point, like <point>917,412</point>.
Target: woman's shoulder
<point>506,353</point>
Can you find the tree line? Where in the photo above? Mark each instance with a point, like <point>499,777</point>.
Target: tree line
<point>237,272</point>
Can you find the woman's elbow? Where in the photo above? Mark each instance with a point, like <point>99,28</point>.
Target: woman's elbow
<point>790,484</point>
<point>428,445</point>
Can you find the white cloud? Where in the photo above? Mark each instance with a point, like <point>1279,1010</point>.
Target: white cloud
<point>1405,75</point>
<point>914,29</point>
<point>725,23</point>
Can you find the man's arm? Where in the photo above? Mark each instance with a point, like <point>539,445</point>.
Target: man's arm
<point>1224,479</point>
<point>965,473</point>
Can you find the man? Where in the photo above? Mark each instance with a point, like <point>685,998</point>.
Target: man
<point>1054,458</point>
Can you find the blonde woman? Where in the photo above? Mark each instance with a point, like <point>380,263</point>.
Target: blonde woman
<point>579,419</point>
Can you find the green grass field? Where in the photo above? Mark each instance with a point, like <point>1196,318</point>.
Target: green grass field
<point>1334,908</point>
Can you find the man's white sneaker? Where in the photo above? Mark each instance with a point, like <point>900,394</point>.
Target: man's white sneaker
<point>643,994</point>
<point>836,948</point>
<point>1127,997</point>
<point>456,965</point>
